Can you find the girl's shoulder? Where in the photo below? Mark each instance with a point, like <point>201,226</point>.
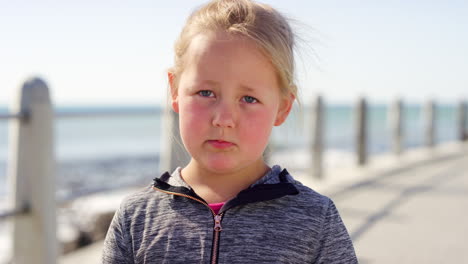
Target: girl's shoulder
<point>310,195</point>
<point>313,202</point>
<point>140,199</point>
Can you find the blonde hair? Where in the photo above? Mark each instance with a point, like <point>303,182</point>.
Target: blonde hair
<point>260,23</point>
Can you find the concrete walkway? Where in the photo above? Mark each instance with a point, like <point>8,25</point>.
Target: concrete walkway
<point>411,209</point>
<point>419,215</point>
<point>87,255</point>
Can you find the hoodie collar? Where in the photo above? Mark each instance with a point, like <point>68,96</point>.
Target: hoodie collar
<point>275,184</point>
<point>271,177</point>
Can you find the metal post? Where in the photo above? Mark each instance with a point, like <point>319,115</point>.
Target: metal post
<point>173,153</point>
<point>396,125</point>
<point>361,131</point>
<point>462,134</point>
<point>317,138</point>
<point>429,124</point>
<point>31,173</point>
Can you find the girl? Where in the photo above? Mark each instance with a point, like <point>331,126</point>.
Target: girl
<point>233,80</point>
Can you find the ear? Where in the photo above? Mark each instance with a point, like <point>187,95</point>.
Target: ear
<point>284,109</point>
<point>173,91</point>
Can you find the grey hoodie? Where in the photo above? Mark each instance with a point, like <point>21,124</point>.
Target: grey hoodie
<point>275,220</point>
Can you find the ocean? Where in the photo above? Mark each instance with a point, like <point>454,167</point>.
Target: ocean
<point>96,154</point>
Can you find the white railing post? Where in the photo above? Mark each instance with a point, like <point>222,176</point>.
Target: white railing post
<point>429,123</point>
<point>462,133</point>
<point>31,173</point>
<point>361,131</point>
<point>317,138</point>
<point>396,125</point>
<point>173,153</point>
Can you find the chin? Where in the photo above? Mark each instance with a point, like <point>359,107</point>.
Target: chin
<point>221,166</point>
<point>221,169</point>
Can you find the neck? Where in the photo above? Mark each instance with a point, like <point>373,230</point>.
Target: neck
<point>216,187</point>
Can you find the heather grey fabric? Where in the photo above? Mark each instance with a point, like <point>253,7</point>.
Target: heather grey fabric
<point>155,227</point>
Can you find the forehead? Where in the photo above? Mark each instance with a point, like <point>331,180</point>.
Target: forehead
<point>217,44</point>
<point>228,55</point>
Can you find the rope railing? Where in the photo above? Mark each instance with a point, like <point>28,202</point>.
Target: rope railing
<point>107,113</point>
<point>89,113</point>
<point>12,115</point>
<point>9,213</point>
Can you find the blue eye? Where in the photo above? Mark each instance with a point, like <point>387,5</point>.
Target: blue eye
<point>250,99</point>
<point>206,93</point>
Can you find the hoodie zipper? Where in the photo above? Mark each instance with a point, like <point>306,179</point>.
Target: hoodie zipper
<point>217,224</point>
<point>217,230</point>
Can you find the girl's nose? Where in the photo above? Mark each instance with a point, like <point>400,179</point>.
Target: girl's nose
<point>224,116</point>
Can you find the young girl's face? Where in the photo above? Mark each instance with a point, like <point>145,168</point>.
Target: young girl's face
<point>228,100</point>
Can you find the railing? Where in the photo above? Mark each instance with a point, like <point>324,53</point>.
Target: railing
<point>11,116</point>
<point>32,160</point>
<point>10,213</point>
<point>106,113</point>
<point>361,130</point>
<point>31,171</point>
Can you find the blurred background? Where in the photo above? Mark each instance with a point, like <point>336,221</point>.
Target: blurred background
<point>113,56</point>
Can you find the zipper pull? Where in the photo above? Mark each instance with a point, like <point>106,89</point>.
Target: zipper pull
<point>217,226</point>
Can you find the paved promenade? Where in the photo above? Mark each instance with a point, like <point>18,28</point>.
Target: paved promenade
<point>411,209</point>
<point>419,215</point>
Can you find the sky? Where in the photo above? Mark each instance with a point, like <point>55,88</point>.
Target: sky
<point>117,52</point>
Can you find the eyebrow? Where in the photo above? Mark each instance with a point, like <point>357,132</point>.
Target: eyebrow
<point>247,88</point>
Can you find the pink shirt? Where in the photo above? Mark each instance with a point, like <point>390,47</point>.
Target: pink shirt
<point>216,207</point>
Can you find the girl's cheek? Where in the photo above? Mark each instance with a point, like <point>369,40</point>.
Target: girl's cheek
<point>200,106</point>
<point>195,110</point>
<point>261,123</point>
<point>192,103</point>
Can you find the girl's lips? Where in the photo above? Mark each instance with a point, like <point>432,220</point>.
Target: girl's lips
<point>220,144</point>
